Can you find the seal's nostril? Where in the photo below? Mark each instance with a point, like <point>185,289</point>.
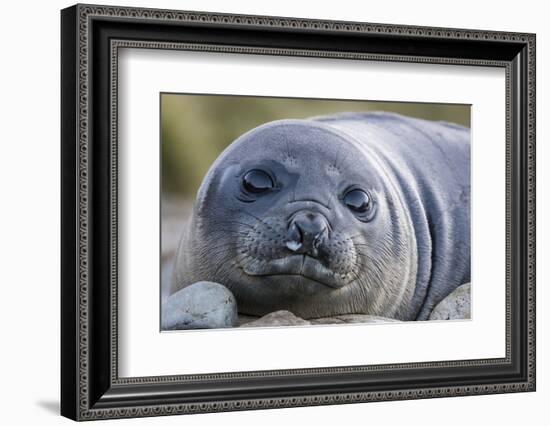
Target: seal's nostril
<point>295,233</point>
<point>306,233</point>
<point>317,242</point>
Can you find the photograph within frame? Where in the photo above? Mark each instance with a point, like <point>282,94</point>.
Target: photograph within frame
<point>197,128</point>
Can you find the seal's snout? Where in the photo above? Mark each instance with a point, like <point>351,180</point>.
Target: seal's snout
<point>306,232</point>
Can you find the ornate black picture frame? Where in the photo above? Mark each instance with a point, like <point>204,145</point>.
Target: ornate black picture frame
<point>90,38</point>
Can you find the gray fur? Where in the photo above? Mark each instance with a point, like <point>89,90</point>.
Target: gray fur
<point>413,253</point>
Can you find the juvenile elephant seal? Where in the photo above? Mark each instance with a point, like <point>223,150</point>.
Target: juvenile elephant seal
<point>356,213</point>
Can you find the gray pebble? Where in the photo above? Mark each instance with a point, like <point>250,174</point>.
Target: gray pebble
<point>286,318</point>
<point>353,319</point>
<point>203,304</point>
<point>277,319</point>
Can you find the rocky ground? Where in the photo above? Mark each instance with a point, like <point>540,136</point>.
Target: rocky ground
<point>211,305</point>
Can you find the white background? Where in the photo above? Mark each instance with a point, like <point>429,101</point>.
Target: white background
<point>29,225</point>
<point>143,351</point>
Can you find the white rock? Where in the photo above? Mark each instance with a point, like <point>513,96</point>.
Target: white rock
<point>455,306</point>
<point>277,319</point>
<point>203,304</point>
<point>353,319</point>
<point>286,318</point>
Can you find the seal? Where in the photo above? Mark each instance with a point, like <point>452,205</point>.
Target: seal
<point>354,213</point>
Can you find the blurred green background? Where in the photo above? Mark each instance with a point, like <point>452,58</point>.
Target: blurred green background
<point>196,128</point>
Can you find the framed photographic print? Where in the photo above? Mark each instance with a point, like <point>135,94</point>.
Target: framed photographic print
<point>263,212</point>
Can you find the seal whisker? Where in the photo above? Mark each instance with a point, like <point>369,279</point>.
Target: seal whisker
<point>220,266</point>
<point>363,255</point>
<point>235,223</point>
<point>267,225</point>
<point>221,246</point>
<point>230,232</point>
<point>218,248</point>
<point>354,276</point>
<point>235,233</point>
<point>220,229</point>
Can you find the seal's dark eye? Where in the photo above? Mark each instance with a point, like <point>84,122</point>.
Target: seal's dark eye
<point>357,200</point>
<point>257,181</point>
